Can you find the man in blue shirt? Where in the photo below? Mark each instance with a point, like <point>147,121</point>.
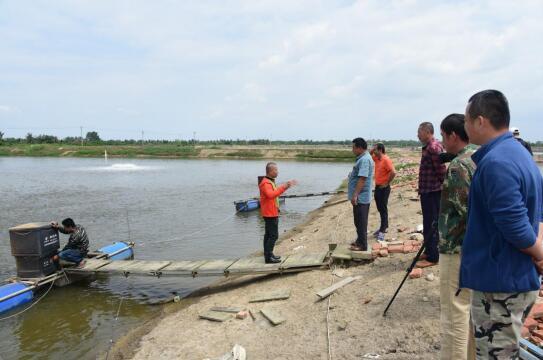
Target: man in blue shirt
<point>360,183</point>
<point>504,232</point>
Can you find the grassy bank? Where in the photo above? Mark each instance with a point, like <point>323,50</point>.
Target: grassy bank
<point>309,153</point>
<point>54,150</point>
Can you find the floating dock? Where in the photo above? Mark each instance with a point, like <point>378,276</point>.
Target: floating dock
<point>221,267</point>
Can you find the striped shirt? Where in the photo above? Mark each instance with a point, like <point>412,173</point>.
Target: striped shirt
<point>78,240</point>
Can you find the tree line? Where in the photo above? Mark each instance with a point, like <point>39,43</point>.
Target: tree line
<point>93,138</point>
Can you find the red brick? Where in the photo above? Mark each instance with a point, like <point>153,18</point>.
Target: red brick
<point>415,273</point>
<point>383,252</point>
<point>407,249</point>
<point>376,247</point>
<point>242,314</point>
<point>395,249</point>
<point>375,253</point>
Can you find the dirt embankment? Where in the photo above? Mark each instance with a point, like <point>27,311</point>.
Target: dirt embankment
<point>356,325</point>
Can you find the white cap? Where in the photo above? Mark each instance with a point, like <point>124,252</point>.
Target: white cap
<point>515,131</point>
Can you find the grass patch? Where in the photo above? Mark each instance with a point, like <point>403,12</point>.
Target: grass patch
<point>253,154</point>
<point>406,166</point>
<point>336,155</point>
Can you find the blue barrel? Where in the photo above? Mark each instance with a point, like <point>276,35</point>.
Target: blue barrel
<point>247,205</point>
<point>126,254</point>
<point>18,300</point>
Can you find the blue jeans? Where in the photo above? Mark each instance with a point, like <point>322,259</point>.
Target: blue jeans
<point>72,255</point>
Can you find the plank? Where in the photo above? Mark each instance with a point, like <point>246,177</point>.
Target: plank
<point>214,267</point>
<point>93,264</point>
<point>215,316</point>
<point>183,267</point>
<point>115,266</point>
<point>269,296</point>
<point>273,316</point>
<point>342,252</point>
<point>252,265</point>
<point>304,260</point>
<point>231,309</point>
<point>145,266</point>
<point>331,289</point>
<point>362,255</point>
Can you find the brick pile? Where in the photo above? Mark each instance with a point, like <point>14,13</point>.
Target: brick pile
<point>533,325</point>
<point>382,249</point>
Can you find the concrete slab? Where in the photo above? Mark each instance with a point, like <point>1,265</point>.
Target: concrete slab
<point>270,296</point>
<point>273,316</point>
<point>215,316</point>
<point>304,260</point>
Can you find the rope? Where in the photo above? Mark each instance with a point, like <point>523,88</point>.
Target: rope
<point>31,305</point>
<point>113,326</point>
<point>328,341</point>
<point>199,231</point>
<point>328,321</point>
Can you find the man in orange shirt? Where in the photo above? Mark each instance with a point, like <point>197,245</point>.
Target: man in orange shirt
<point>384,174</point>
<point>269,208</point>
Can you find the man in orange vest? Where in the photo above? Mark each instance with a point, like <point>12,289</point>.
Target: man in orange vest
<point>269,208</point>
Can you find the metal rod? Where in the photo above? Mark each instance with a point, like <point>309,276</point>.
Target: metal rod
<point>300,195</point>
<point>408,271</point>
<point>48,279</point>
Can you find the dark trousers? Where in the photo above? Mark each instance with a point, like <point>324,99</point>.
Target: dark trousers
<point>72,255</point>
<point>271,233</point>
<point>360,214</point>
<point>381,200</point>
<point>429,203</point>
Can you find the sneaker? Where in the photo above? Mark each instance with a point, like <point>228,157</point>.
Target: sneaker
<point>381,236</point>
<point>376,233</point>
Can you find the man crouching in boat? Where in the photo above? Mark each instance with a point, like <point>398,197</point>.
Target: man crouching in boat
<point>78,243</point>
<point>269,208</point>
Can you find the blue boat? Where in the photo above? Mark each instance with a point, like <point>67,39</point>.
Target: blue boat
<point>251,204</point>
<point>20,291</point>
<point>247,205</point>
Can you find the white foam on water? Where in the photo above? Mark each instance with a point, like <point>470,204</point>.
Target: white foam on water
<point>119,167</point>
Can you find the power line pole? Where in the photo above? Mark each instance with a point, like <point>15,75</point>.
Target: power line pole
<point>81,134</point>
<point>142,134</point>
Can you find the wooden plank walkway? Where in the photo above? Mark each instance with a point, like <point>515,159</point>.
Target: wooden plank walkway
<point>242,266</point>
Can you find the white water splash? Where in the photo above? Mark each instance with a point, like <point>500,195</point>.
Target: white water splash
<point>122,167</point>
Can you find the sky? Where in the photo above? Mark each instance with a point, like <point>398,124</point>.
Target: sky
<point>263,69</point>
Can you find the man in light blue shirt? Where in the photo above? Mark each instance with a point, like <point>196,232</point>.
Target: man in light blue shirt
<point>359,192</point>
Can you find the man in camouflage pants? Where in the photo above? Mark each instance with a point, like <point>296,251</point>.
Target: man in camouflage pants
<point>457,342</point>
<point>504,235</point>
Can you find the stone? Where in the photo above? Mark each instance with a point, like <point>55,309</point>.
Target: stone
<point>242,315</point>
<point>430,277</point>
<point>415,273</point>
<point>416,237</point>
